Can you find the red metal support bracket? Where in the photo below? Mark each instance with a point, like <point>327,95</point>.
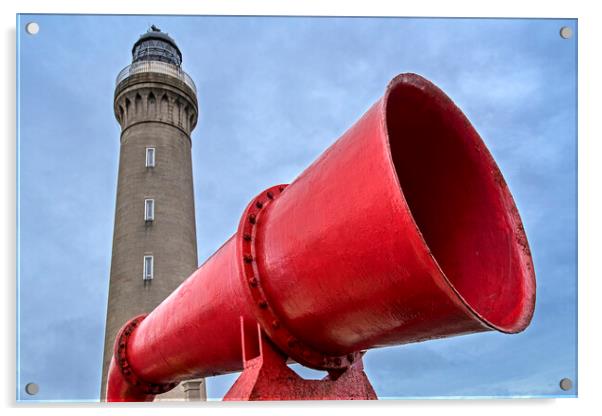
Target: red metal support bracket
<point>267,377</point>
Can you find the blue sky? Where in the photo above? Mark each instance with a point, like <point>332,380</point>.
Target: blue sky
<point>274,93</point>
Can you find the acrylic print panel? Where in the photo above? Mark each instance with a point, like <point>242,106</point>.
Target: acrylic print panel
<point>241,104</point>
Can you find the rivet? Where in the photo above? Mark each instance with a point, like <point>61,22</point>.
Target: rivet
<point>263,304</point>
<point>122,345</point>
<point>246,237</point>
<point>270,195</point>
<point>259,204</point>
<point>275,324</point>
<point>252,218</point>
<point>253,281</point>
<point>248,258</point>
<point>291,342</point>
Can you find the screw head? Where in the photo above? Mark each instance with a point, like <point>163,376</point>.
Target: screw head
<point>566,384</point>
<point>32,389</point>
<point>566,32</point>
<point>32,28</point>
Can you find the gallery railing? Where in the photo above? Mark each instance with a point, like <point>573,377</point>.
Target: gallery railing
<point>155,66</point>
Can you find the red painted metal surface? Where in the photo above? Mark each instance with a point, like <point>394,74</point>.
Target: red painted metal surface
<point>403,230</point>
<point>267,377</point>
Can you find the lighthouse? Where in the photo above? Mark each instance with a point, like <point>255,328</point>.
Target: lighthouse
<point>154,236</point>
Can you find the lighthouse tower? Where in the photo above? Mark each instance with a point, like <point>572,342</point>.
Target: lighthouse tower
<point>154,238</point>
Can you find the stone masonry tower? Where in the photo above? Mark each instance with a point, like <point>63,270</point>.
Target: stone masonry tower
<point>154,240</point>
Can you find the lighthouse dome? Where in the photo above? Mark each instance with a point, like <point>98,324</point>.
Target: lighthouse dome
<point>155,45</point>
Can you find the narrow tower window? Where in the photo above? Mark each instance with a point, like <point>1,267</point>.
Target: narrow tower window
<point>149,209</point>
<point>148,268</point>
<point>150,157</point>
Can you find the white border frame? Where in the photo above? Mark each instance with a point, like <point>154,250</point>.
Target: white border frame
<point>590,199</point>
